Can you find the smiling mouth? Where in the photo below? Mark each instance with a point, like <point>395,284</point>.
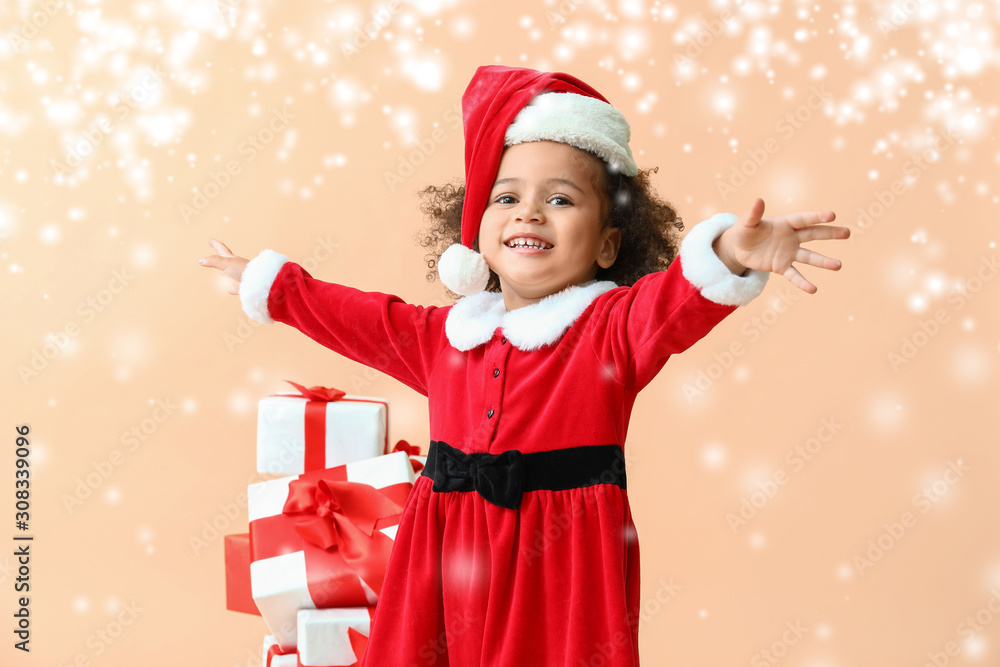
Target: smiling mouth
<point>535,244</point>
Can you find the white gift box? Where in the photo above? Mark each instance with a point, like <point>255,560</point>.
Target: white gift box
<point>323,636</point>
<point>280,582</point>
<point>356,428</point>
<point>324,640</point>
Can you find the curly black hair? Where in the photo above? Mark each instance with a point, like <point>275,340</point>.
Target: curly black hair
<point>649,225</point>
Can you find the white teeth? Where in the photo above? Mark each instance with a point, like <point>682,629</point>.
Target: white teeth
<point>527,243</point>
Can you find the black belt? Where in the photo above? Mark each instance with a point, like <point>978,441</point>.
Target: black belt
<point>501,478</point>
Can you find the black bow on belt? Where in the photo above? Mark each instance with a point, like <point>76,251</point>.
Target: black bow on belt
<point>499,478</point>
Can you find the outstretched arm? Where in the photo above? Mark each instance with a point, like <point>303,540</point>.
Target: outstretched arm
<point>375,329</point>
<point>772,244</point>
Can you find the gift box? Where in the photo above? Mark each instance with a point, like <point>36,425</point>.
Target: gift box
<point>238,595</point>
<point>333,637</point>
<point>416,460</point>
<point>274,656</point>
<point>319,428</point>
<point>322,539</point>
<point>327,638</point>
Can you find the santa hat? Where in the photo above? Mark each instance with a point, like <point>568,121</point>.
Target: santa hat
<point>504,106</point>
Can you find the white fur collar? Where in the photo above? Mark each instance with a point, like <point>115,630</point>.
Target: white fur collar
<point>474,319</point>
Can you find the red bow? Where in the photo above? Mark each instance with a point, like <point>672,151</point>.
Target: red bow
<point>338,515</point>
<point>318,393</point>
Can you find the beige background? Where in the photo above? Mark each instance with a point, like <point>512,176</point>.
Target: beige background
<point>106,299</point>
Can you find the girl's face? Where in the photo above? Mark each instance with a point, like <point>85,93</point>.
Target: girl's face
<point>547,193</point>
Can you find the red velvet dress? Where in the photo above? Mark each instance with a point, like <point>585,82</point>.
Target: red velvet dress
<point>556,581</point>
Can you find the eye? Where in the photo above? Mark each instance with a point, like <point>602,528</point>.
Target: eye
<point>560,197</point>
<point>500,199</point>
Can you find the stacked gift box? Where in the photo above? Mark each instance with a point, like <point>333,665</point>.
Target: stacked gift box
<point>314,560</point>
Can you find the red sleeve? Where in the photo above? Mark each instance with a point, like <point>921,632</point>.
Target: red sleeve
<point>375,329</point>
<point>638,328</point>
<point>660,315</point>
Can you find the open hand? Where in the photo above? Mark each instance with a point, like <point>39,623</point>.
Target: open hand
<point>772,244</point>
<point>231,265</point>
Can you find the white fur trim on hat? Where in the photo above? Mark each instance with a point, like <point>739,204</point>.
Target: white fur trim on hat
<point>255,284</point>
<point>463,270</point>
<point>577,120</point>
<point>703,268</point>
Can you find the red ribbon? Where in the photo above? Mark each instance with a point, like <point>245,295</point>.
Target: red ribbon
<point>411,450</point>
<point>336,523</point>
<point>276,650</point>
<point>318,393</point>
<point>315,421</point>
<point>238,593</point>
<point>359,643</point>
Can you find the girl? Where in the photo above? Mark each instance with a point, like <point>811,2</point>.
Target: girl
<point>516,546</point>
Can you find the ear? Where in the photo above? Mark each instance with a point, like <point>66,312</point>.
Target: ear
<point>612,239</point>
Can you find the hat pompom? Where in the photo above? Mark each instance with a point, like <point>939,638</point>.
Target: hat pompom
<point>463,270</point>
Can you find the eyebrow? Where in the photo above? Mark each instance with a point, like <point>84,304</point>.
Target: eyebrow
<point>554,179</point>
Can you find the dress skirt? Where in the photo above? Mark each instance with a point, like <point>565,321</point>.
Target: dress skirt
<point>553,582</point>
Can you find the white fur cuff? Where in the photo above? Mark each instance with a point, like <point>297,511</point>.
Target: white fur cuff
<point>255,284</point>
<point>703,268</point>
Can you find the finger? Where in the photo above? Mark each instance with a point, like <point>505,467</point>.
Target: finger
<point>806,218</point>
<point>215,262</point>
<point>806,256</point>
<point>799,280</point>
<point>220,248</point>
<point>755,214</point>
<point>234,289</point>
<point>822,233</point>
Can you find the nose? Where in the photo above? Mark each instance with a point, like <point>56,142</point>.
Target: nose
<point>528,210</point>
